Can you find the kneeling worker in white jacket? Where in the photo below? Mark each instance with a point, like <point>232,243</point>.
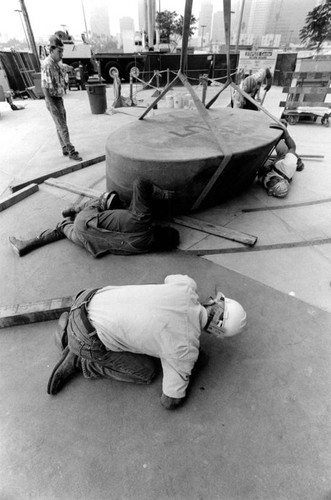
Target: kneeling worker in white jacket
<point>118,331</point>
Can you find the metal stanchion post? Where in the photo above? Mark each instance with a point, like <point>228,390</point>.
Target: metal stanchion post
<point>99,71</point>
<point>131,88</point>
<point>82,76</point>
<point>157,74</point>
<point>204,80</point>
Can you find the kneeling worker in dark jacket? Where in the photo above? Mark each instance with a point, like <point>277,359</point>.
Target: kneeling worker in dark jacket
<point>117,332</point>
<point>104,226</point>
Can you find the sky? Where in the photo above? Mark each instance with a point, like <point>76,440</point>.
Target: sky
<point>47,16</point>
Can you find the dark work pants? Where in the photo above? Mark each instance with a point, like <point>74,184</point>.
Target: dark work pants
<point>137,219</point>
<point>96,359</point>
<point>57,110</point>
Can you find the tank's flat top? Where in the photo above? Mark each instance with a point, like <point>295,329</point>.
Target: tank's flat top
<point>183,134</point>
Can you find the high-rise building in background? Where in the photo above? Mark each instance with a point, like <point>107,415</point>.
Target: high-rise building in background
<point>142,15</point>
<point>146,19</point>
<point>246,14</point>
<point>99,18</point>
<point>287,18</point>
<point>258,17</point>
<point>279,19</point>
<point>217,34</point>
<point>126,24</point>
<point>127,33</point>
<point>205,20</point>
<point>236,6</point>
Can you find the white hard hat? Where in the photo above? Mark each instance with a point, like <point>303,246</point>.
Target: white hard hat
<point>279,189</point>
<point>226,317</point>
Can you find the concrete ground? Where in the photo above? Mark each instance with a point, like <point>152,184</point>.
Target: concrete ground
<point>256,424</point>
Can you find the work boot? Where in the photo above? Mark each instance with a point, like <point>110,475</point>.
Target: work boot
<point>110,201</point>
<point>201,362</point>
<point>61,335</point>
<point>68,365</point>
<point>74,155</point>
<point>22,247</point>
<point>300,165</point>
<point>65,152</point>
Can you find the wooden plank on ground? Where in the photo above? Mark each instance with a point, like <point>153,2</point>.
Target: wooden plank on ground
<point>59,173</point>
<point>221,231</point>
<point>18,196</point>
<point>33,312</point>
<point>262,248</point>
<point>73,188</point>
<point>308,157</point>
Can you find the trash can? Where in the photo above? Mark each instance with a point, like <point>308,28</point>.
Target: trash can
<point>97,97</point>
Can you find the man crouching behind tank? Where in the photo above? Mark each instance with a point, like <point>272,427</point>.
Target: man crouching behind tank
<point>103,225</point>
<point>117,332</point>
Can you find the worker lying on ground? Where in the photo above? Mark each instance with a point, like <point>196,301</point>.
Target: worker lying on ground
<point>276,175</point>
<point>117,332</point>
<point>251,85</point>
<point>104,226</point>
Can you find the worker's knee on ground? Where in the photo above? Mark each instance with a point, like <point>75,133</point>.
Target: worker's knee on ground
<point>170,403</point>
<point>281,149</point>
<point>278,187</point>
<point>147,375</point>
<point>143,185</point>
<point>144,368</point>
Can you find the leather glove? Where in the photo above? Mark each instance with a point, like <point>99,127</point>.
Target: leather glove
<point>280,127</point>
<point>277,125</point>
<point>300,165</point>
<point>170,403</point>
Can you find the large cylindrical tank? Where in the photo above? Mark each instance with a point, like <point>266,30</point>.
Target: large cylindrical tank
<point>177,151</point>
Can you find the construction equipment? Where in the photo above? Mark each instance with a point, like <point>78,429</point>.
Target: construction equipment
<point>307,97</point>
<point>25,73</point>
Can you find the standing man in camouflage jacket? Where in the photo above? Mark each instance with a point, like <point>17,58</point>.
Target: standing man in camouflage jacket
<point>53,85</point>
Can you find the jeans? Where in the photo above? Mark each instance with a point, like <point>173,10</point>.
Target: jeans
<point>96,359</point>
<point>57,110</point>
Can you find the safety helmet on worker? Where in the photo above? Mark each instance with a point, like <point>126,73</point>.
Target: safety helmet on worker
<point>279,188</point>
<point>54,42</point>
<point>249,85</point>
<point>226,317</point>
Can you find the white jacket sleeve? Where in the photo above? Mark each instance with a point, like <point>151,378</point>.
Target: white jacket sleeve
<point>176,376</point>
<point>181,278</point>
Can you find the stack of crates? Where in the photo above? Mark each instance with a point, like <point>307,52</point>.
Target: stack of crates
<point>310,91</point>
